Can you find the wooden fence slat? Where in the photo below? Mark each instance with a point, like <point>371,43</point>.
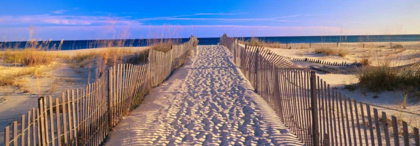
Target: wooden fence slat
<point>63,106</point>
<point>28,129</point>
<point>343,120</point>
<point>358,122</point>
<point>22,131</point>
<point>364,124</point>
<point>377,126</point>
<point>57,116</point>
<point>69,118</point>
<point>51,105</point>
<point>372,137</point>
<point>395,130</point>
<point>44,101</point>
<point>6,135</point>
<point>385,124</point>
<point>314,109</point>
<point>405,133</point>
<point>41,120</point>
<point>34,121</point>
<point>416,136</point>
<point>347,120</point>
<point>15,131</point>
<point>331,116</point>
<point>73,116</point>
<point>352,122</point>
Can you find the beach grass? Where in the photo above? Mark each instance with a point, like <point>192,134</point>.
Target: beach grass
<point>386,78</point>
<point>28,57</point>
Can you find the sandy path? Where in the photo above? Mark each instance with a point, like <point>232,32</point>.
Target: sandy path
<point>206,102</point>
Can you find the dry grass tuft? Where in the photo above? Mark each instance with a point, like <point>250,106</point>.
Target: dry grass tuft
<point>256,42</point>
<point>343,52</point>
<point>163,47</point>
<point>9,80</point>
<point>332,51</point>
<point>28,57</point>
<point>326,51</point>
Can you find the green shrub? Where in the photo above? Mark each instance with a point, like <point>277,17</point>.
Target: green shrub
<point>388,78</point>
<point>138,58</point>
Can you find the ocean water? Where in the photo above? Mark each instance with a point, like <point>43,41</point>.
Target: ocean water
<point>83,44</point>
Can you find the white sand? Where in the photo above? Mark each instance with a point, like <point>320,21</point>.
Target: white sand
<point>206,102</point>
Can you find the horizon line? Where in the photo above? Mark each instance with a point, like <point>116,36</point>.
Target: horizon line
<point>218,37</point>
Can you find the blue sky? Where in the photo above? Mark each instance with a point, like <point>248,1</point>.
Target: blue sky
<point>105,19</point>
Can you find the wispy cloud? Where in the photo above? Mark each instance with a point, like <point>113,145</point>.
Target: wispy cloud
<point>300,15</point>
<point>215,19</point>
<point>218,14</point>
<point>189,18</point>
<point>59,11</point>
<point>48,19</point>
<point>66,20</point>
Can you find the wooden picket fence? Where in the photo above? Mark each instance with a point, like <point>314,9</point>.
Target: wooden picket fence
<point>315,112</point>
<point>85,116</point>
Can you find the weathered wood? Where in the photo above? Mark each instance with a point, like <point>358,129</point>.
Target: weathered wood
<point>395,130</point>
<point>51,112</point>
<point>41,121</point>
<point>15,131</point>
<point>314,107</point>
<point>372,137</point>
<point>28,129</point>
<point>416,136</point>
<point>63,106</point>
<point>73,108</point>
<point>405,133</point>
<point>22,130</point>
<point>44,101</point>
<point>378,129</point>
<point>6,135</point>
<point>385,124</point>
<point>352,122</point>
<point>347,120</point>
<point>57,113</point>
<point>34,121</point>
<point>364,125</point>
<point>358,122</point>
<point>69,118</point>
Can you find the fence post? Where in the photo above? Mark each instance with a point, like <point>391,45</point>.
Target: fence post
<point>234,51</point>
<point>315,134</point>
<point>256,69</point>
<point>110,97</point>
<point>41,122</point>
